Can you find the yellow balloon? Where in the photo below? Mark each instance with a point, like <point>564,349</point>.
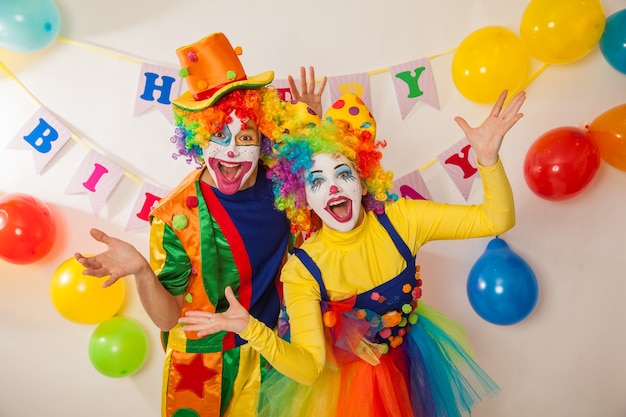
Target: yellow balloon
<point>488,61</point>
<point>81,298</point>
<point>562,31</point>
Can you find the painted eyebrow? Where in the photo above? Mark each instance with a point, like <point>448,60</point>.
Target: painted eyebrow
<point>335,168</point>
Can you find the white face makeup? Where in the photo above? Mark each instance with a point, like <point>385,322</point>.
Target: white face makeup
<point>334,190</point>
<point>232,157</point>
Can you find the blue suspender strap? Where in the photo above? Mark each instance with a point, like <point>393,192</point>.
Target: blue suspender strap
<point>313,270</point>
<point>399,242</point>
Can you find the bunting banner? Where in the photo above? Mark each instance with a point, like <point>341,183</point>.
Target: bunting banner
<point>97,176</point>
<point>414,81</point>
<point>282,87</point>
<point>456,161</point>
<point>411,186</point>
<point>147,199</point>
<point>157,87</point>
<point>44,135</point>
<point>358,84</point>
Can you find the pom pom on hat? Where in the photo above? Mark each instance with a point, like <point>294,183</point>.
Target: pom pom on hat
<point>211,68</point>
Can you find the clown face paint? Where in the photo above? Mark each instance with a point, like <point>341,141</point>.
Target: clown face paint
<point>232,157</point>
<point>334,191</point>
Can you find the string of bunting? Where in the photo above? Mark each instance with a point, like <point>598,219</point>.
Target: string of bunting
<point>44,135</point>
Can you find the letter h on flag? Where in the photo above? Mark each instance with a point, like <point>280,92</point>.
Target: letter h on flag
<point>156,86</point>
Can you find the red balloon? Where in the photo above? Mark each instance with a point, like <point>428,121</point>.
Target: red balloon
<point>27,229</point>
<point>561,163</point>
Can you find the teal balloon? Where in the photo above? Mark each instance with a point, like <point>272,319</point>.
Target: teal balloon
<point>28,25</point>
<point>118,347</point>
<point>501,287</point>
<point>613,41</point>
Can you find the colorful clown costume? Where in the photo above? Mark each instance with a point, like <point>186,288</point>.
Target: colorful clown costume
<point>202,241</point>
<point>373,349</point>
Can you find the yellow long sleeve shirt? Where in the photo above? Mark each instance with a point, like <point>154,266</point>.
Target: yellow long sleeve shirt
<point>365,257</point>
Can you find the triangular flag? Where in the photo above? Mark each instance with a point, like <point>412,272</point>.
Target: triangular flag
<point>97,176</point>
<point>358,84</point>
<point>157,86</point>
<point>411,186</point>
<point>458,162</point>
<point>414,81</point>
<point>44,135</point>
<point>282,87</point>
<point>147,199</point>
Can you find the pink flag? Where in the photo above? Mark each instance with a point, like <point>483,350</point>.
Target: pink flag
<point>97,176</point>
<point>414,81</point>
<point>147,199</point>
<point>44,135</point>
<point>282,87</point>
<point>157,87</point>
<point>358,84</point>
<point>411,186</point>
<point>459,162</point>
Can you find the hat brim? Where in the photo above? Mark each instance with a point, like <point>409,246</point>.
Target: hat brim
<point>186,101</point>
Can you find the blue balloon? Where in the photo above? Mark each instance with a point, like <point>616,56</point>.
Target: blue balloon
<point>502,288</point>
<point>28,25</point>
<point>613,41</point>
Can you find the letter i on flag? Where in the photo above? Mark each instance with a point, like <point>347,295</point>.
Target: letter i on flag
<point>44,135</point>
<point>97,176</point>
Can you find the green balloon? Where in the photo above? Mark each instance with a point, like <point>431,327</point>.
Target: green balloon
<point>118,347</point>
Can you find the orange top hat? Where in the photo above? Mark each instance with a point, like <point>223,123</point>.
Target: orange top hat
<point>211,68</point>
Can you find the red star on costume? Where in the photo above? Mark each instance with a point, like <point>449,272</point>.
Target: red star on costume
<point>193,376</point>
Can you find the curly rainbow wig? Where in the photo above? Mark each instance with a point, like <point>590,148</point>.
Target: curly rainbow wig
<point>292,160</point>
<point>194,129</point>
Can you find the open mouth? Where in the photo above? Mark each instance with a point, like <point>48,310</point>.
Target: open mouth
<point>340,208</point>
<point>229,171</point>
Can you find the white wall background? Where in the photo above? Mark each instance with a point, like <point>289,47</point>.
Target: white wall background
<point>565,359</point>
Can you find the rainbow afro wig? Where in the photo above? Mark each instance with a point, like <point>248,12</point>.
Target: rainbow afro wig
<point>194,129</point>
<point>348,128</point>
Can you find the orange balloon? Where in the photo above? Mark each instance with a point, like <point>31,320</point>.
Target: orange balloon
<point>609,131</point>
